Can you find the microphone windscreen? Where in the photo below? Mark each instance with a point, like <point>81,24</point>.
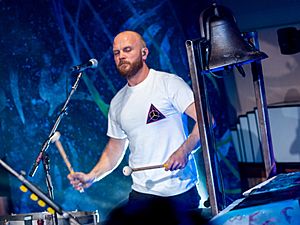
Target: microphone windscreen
<point>94,63</point>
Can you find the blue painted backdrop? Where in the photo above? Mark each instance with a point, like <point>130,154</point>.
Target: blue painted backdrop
<point>39,42</point>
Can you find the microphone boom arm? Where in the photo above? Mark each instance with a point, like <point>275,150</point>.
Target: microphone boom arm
<point>46,144</point>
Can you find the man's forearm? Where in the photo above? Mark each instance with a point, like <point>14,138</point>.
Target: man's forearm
<point>109,160</point>
<point>193,139</point>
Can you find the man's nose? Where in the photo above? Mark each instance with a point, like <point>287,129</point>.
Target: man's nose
<point>122,55</point>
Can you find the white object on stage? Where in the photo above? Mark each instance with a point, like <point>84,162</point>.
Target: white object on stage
<point>127,170</point>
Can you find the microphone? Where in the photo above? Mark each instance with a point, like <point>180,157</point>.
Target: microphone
<point>92,63</point>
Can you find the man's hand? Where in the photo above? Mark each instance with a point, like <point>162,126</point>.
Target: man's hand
<point>80,180</point>
<point>177,160</point>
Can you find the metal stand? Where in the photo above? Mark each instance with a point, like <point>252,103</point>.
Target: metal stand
<point>42,154</point>
<point>40,194</point>
<point>59,118</point>
<point>195,52</point>
<point>46,164</point>
<point>263,116</point>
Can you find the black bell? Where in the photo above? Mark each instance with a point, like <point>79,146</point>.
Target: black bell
<point>226,46</point>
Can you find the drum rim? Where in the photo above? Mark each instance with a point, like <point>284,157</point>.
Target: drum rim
<point>44,215</point>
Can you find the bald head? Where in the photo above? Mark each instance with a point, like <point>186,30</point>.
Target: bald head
<point>132,36</point>
<point>130,54</point>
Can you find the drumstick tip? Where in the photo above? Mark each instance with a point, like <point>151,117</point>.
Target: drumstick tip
<point>55,137</point>
<point>127,170</point>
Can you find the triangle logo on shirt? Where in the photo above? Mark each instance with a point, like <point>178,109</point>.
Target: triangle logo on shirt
<point>154,115</point>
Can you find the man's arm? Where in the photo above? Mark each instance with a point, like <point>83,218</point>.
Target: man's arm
<point>179,158</point>
<point>111,157</point>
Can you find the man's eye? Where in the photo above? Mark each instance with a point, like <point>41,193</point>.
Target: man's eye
<point>116,53</point>
<point>128,49</point>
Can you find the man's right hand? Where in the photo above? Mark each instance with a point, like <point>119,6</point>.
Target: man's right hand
<point>80,180</point>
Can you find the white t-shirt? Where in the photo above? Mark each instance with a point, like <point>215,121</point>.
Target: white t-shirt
<point>149,115</point>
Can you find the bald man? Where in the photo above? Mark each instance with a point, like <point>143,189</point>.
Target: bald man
<point>146,116</point>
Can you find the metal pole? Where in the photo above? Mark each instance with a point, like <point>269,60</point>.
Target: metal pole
<point>202,119</point>
<point>263,116</point>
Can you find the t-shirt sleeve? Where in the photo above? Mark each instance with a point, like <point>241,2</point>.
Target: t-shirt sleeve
<point>114,130</point>
<point>180,93</point>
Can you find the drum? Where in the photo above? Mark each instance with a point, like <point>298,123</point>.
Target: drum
<point>45,218</point>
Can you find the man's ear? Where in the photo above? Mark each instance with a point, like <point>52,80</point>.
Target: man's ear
<point>145,53</point>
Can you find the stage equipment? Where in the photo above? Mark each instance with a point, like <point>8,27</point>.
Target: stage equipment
<point>274,201</point>
<point>127,171</point>
<point>44,218</point>
<point>91,64</point>
<point>225,45</point>
<point>42,155</point>
<point>222,47</point>
<point>288,40</point>
<point>55,208</point>
<point>63,112</point>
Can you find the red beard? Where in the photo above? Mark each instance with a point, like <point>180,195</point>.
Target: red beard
<point>130,69</point>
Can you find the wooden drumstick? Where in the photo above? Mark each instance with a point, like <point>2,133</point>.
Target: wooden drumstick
<point>55,138</point>
<point>128,170</point>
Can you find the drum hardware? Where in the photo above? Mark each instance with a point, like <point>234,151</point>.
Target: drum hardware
<point>35,198</point>
<point>45,218</point>
<point>52,205</point>
<point>28,220</point>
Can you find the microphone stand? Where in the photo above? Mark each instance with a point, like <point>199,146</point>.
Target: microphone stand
<point>46,164</point>
<point>59,118</point>
<point>42,154</point>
